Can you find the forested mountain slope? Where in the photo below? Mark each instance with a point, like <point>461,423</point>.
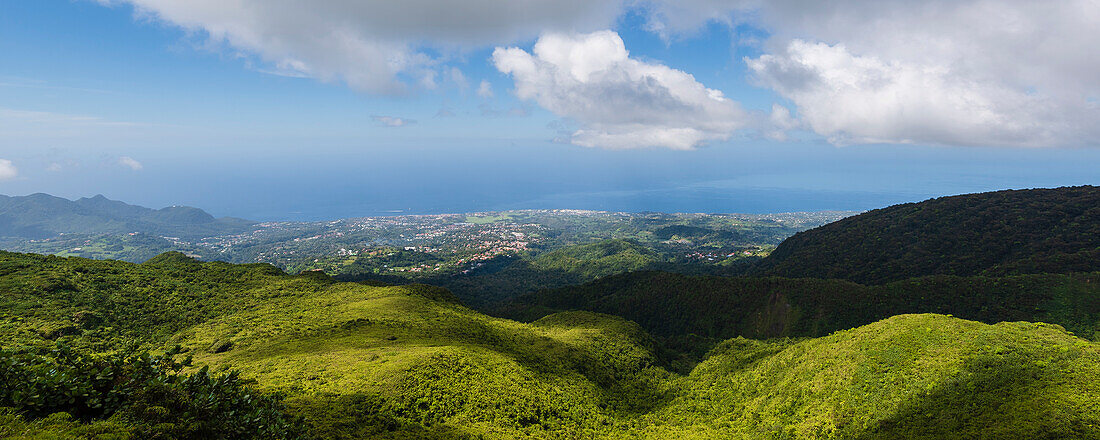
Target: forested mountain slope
<point>1003,232</point>
<point>43,215</point>
<point>501,279</point>
<point>409,362</point>
<point>673,305</point>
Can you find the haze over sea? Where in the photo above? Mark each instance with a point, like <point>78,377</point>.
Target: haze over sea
<point>330,183</point>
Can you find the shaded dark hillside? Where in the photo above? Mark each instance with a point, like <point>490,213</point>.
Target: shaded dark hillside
<point>996,233</point>
<point>42,215</point>
<point>674,305</point>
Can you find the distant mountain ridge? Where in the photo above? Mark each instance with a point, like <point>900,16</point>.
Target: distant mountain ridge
<point>42,215</point>
<point>994,233</point>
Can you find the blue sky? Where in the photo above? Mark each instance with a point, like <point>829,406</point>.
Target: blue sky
<point>358,108</point>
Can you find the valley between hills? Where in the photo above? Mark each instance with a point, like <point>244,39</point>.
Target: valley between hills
<point>967,317</point>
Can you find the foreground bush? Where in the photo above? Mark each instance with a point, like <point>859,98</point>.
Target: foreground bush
<point>139,394</point>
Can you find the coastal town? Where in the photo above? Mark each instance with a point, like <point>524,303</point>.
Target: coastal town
<point>460,242</point>
<point>456,243</point>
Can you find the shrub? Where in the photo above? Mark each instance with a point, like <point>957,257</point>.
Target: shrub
<point>147,392</point>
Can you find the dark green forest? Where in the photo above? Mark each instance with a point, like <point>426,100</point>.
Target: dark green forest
<point>700,310</point>
<point>997,233</point>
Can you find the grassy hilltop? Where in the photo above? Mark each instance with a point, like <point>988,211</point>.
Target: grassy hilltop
<point>356,361</point>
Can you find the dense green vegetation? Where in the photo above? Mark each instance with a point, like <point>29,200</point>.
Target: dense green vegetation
<point>356,361</point>
<point>132,396</point>
<point>93,302</point>
<point>684,309</point>
<point>571,265</point>
<point>996,233</point>
<point>492,282</point>
<point>43,215</point>
<point>910,376</point>
<point>133,247</point>
<point>680,232</point>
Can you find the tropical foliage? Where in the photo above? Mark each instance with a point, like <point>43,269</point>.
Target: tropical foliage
<point>673,305</point>
<point>135,395</point>
<point>356,361</point>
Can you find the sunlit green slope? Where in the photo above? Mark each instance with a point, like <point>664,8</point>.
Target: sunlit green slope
<point>360,361</point>
<point>415,364</point>
<point>409,362</point>
<point>910,376</point>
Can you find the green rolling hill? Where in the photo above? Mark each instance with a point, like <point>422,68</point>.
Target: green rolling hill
<point>502,279</point>
<point>346,360</point>
<point>689,313</point>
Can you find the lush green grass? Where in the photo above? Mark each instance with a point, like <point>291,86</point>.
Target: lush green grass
<point>59,425</point>
<point>430,363</point>
<point>90,302</point>
<point>452,372</point>
<point>359,361</point>
<point>910,376</point>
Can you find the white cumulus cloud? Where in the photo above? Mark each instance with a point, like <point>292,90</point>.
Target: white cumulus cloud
<point>951,72</point>
<point>619,102</point>
<point>779,123</point>
<point>853,99</point>
<point>8,170</point>
<point>130,163</point>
